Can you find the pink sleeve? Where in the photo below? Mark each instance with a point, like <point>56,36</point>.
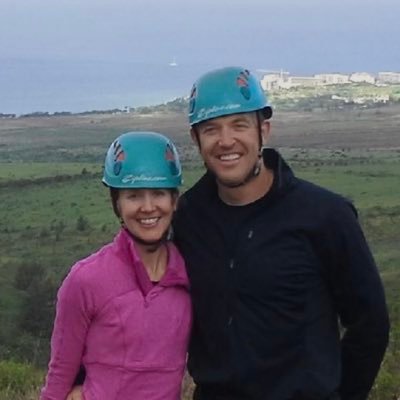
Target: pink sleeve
<point>73,317</point>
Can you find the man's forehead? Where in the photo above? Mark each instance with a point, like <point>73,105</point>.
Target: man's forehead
<point>248,116</point>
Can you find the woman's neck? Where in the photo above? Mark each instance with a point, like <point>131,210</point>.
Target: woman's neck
<point>154,260</point>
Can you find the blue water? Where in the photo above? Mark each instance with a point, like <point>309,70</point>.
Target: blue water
<point>31,85</point>
<point>42,85</point>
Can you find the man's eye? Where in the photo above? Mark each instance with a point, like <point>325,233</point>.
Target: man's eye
<point>241,126</point>
<point>209,129</point>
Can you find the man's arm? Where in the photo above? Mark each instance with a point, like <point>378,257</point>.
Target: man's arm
<point>360,302</point>
<point>75,393</point>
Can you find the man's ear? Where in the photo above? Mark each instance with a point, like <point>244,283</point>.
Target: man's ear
<point>265,131</point>
<point>195,136</point>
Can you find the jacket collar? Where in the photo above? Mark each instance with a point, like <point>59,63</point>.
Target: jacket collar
<point>175,274</point>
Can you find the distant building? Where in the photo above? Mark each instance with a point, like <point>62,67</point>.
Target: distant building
<point>340,98</point>
<point>333,79</point>
<point>383,98</point>
<point>282,80</point>
<point>271,81</point>
<point>389,77</point>
<point>308,81</point>
<point>361,77</point>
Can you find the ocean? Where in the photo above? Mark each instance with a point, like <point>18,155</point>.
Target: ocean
<point>30,85</point>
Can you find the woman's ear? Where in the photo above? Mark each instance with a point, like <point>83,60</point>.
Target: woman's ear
<point>175,199</point>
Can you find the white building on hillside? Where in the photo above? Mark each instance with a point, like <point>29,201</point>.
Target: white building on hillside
<point>294,81</point>
<point>359,77</point>
<point>333,79</point>
<point>283,80</point>
<point>384,98</point>
<point>389,77</point>
<point>271,81</point>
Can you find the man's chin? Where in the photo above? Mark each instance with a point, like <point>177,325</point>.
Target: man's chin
<point>230,183</point>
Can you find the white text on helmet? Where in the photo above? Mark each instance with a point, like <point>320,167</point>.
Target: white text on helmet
<point>135,178</point>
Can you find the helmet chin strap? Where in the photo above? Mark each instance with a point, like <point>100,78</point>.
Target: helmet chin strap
<point>254,172</point>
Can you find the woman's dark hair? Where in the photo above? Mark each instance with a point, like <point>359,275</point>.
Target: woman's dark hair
<point>114,193</point>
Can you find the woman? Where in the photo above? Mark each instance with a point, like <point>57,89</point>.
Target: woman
<point>124,312</point>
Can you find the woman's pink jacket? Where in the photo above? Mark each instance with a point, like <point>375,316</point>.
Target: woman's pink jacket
<point>130,335</point>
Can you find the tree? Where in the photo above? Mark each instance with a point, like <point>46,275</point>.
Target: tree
<point>82,224</point>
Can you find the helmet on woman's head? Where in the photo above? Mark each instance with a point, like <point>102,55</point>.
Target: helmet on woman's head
<point>139,160</point>
<point>226,91</point>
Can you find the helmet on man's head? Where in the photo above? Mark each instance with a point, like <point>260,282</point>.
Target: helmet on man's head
<point>226,91</point>
<point>139,160</point>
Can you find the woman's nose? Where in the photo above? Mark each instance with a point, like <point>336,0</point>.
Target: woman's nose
<point>147,203</point>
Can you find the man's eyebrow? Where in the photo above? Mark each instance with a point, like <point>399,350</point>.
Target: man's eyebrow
<point>207,123</point>
<point>243,118</point>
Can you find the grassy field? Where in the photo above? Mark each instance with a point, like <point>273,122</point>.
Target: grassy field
<point>11,172</point>
<point>55,210</point>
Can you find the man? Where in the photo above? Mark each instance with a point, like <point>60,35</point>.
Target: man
<point>288,303</point>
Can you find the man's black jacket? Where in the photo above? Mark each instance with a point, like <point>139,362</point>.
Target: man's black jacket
<point>271,283</point>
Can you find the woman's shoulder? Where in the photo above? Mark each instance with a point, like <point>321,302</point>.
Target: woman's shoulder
<point>96,278</point>
<point>91,272</point>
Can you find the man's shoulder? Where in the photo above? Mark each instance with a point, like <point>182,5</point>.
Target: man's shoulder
<point>319,191</point>
<point>321,197</point>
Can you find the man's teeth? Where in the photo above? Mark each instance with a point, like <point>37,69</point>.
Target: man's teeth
<point>229,157</point>
<point>148,221</point>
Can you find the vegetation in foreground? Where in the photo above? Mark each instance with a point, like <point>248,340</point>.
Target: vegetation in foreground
<point>55,211</point>
<point>47,224</point>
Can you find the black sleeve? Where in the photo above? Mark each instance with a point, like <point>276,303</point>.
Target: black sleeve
<point>177,221</point>
<point>360,301</point>
<point>80,377</point>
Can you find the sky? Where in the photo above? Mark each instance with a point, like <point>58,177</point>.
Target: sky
<point>300,36</point>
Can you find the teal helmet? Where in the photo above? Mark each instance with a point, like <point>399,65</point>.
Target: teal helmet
<point>226,91</point>
<point>138,160</point>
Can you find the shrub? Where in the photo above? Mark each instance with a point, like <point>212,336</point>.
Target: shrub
<point>82,224</point>
<point>18,378</point>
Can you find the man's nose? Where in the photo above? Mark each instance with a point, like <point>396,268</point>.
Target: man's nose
<point>225,138</point>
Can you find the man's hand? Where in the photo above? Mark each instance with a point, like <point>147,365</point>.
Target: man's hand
<point>75,393</point>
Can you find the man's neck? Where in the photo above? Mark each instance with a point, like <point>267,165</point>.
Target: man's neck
<point>248,193</point>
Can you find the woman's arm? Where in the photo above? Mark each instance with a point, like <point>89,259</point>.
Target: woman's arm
<point>73,316</point>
